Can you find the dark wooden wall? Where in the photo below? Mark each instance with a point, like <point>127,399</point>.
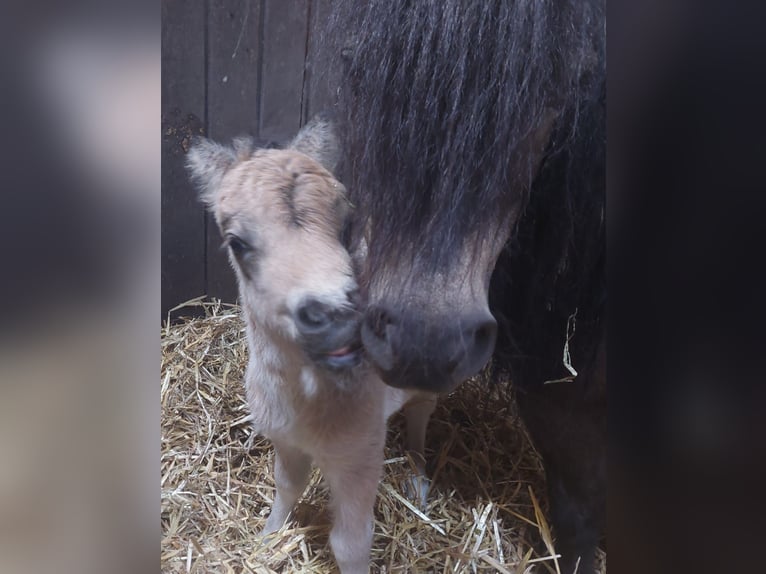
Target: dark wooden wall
<point>229,67</point>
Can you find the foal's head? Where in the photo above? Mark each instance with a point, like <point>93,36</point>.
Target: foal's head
<point>281,213</point>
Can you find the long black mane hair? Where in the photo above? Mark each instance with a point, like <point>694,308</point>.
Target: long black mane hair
<point>550,281</point>
<point>439,100</point>
<point>440,106</point>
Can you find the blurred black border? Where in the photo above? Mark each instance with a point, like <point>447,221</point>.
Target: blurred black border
<point>686,205</point>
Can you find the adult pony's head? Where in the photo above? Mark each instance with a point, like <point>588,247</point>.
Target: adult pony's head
<point>447,108</point>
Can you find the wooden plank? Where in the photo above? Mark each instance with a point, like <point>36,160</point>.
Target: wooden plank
<point>233,82</point>
<point>182,116</point>
<point>284,54</point>
<point>323,72</point>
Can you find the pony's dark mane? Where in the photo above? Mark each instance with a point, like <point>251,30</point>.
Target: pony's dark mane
<point>437,103</point>
<point>554,264</point>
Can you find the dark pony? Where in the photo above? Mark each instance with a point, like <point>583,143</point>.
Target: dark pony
<point>474,154</point>
<point>548,292</point>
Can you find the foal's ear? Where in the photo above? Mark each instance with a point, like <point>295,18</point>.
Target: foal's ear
<point>208,162</point>
<point>319,140</point>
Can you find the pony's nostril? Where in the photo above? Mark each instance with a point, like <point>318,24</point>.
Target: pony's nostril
<point>484,335</point>
<point>377,321</point>
<point>354,297</point>
<point>452,364</point>
<point>480,339</point>
<point>376,334</point>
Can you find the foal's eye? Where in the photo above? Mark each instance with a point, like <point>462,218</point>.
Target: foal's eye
<point>237,246</point>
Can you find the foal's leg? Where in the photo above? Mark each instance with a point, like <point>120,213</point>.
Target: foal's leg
<point>353,484</point>
<point>291,474</point>
<point>417,413</point>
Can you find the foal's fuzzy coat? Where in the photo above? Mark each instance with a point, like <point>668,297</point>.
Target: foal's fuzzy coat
<point>281,213</point>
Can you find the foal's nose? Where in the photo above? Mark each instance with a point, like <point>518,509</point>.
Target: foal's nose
<point>315,317</point>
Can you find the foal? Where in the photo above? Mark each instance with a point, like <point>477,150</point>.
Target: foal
<point>281,213</point>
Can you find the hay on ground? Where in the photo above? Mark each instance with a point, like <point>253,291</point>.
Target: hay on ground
<point>485,509</point>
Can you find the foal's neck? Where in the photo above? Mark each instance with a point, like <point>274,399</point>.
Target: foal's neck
<point>272,350</point>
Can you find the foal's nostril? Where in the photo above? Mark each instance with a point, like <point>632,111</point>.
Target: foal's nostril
<point>313,315</point>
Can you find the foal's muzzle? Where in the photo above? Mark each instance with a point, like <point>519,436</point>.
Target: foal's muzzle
<point>329,333</point>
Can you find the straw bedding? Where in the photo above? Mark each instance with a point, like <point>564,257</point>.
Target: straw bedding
<point>485,509</point>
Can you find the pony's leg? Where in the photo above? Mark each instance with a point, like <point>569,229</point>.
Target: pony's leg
<point>353,485</point>
<point>570,434</point>
<point>573,518</point>
<point>292,469</point>
<point>417,413</point>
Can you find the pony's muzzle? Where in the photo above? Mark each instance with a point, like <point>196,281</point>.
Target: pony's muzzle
<point>436,355</point>
<point>378,332</point>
